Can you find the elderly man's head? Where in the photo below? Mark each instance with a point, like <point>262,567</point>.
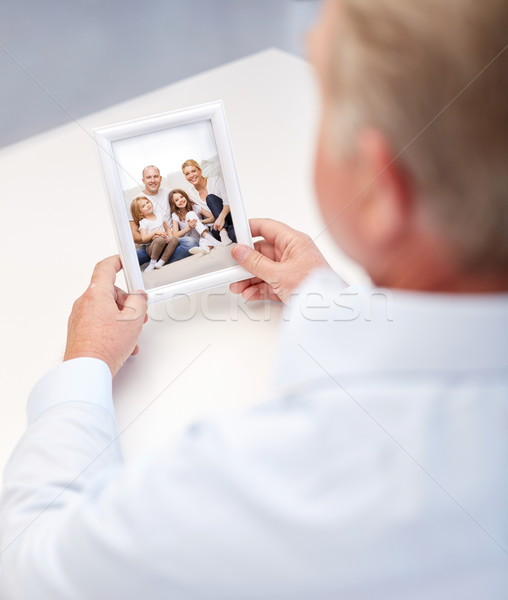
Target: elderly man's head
<point>414,135</point>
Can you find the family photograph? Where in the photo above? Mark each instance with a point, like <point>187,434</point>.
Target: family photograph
<point>179,212</point>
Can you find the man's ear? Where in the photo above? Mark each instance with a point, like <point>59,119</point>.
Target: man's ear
<point>385,207</point>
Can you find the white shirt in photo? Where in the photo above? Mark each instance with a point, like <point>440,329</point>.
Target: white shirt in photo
<point>160,203</point>
<point>191,215</point>
<point>156,225</point>
<point>214,185</point>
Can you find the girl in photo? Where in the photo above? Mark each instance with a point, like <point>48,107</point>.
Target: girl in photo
<point>155,233</point>
<point>186,222</point>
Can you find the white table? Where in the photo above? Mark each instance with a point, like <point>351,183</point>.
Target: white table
<point>214,353</point>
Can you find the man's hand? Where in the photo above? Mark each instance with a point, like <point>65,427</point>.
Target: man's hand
<point>279,264</point>
<point>105,321</point>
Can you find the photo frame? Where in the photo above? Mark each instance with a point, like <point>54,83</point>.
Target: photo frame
<point>143,160</point>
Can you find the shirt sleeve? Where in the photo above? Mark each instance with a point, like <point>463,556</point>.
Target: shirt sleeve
<point>77,524</point>
<point>69,450</point>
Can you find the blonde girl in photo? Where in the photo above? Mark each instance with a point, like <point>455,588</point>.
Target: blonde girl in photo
<point>155,233</point>
<point>187,222</point>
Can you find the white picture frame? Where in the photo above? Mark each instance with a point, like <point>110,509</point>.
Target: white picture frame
<point>125,149</point>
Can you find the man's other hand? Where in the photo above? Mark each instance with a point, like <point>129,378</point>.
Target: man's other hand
<point>279,263</point>
<point>105,321</point>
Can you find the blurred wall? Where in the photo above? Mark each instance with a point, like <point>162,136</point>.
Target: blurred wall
<point>62,59</point>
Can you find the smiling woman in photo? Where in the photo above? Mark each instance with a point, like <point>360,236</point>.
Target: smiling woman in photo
<point>210,194</point>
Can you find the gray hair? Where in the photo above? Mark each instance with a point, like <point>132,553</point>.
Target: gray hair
<point>433,77</point>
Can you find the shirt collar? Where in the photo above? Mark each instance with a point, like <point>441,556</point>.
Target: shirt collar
<point>339,330</point>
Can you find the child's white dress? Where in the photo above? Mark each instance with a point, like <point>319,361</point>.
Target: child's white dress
<point>150,225</point>
<point>190,216</point>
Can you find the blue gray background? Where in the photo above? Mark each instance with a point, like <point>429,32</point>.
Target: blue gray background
<point>62,59</point>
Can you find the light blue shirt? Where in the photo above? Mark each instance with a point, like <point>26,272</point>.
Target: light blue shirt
<point>378,469</point>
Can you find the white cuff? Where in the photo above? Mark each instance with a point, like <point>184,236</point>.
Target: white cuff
<point>79,380</point>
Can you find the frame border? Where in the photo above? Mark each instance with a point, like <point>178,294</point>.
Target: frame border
<point>104,138</point>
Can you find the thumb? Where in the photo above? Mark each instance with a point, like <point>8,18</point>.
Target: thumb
<point>255,262</point>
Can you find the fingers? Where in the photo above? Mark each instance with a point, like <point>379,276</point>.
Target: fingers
<point>260,291</point>
<point>252,293</point>
<point>104,276</point>
<point>239,286</point>
<point>257,264</point>
<point>134,306</point>
<point>270,229</point>
<point>254,289</point>
<point>265,248</point>
<point>105,271</point>
<point>120,297</point>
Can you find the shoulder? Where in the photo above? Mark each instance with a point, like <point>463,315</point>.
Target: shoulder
<point>216,180</point>
<point>162,194</point>
<point>272,431</point>
<point>267,453</point>
<point>216,186</point>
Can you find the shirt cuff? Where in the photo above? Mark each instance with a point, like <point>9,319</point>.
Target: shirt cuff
<point>79,380</point>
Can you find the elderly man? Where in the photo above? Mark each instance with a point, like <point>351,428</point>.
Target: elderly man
<point>378,468</point>
<point>152,180</point>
